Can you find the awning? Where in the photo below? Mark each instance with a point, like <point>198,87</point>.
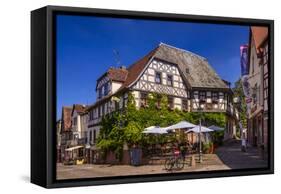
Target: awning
<point>73,148</point>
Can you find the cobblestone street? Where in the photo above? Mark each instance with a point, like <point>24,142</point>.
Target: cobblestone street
<point>227,157</point>
<point>232,156</point>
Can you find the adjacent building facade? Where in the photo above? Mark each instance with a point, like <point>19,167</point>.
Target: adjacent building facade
<point>79,123</point>
<point>258,81</point>
<point>73,131</point>
<point>58,145</point>
<point>65,132</point>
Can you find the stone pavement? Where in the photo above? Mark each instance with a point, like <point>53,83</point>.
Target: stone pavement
<point>227,157</point>
<point>210,162</point>
<point>232,156</point>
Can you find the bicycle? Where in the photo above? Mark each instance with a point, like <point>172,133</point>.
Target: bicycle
<point>175,162</point>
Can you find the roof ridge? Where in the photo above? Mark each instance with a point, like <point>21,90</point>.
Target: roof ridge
<point>151,52</point>
<point>183,50</point>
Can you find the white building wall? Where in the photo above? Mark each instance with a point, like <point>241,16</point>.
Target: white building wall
<point>76,128</point>
<point>81,126</point>
<point>255,77</point>
<point>115,86</point>
<point>177,103</point>
<point>84,125</point>
<point>136,95</point>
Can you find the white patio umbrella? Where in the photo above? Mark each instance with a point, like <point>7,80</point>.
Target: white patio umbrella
<point>216,128</point>
<point>155,130</point>
<point>180,125</point>
<point>204,132</point>
<point>196,129</point>
<point>151,127</point>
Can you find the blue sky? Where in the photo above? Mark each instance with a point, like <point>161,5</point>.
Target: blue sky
<point>85,47</point>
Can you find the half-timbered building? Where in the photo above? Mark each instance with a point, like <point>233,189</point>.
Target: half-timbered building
<point>258,81</point>
<point>79,120</point>
<point>188,80</point>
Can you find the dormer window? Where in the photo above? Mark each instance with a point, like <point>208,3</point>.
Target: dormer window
<point>106,89</point>
<point>158,78</point>
<point>169,80</point>
<point>100,92</point>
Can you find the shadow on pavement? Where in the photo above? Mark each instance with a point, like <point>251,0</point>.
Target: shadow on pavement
<point>232,156</point>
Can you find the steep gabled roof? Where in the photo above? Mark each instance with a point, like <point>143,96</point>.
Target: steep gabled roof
<point>79,108</point>
<point>117,74</point>
<point>259,34</point>
<point>195,69</point>
<point>136,68</point>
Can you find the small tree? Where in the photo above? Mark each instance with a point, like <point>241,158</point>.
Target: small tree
<point>132,133</point>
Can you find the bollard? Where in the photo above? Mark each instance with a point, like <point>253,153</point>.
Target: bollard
<point>192,162</point>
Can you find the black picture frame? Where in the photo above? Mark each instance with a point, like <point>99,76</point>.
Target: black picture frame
<point>43,96</point>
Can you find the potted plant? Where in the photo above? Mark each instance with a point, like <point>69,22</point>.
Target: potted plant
<point>211,148</point>
<point>206,148</point>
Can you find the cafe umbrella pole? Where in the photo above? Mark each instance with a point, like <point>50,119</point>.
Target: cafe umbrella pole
<point>200,143</point>
<point>200,108</point>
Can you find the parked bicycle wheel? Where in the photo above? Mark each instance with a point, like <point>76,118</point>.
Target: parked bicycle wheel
<point>169,164</point>
<point>179,163</point>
